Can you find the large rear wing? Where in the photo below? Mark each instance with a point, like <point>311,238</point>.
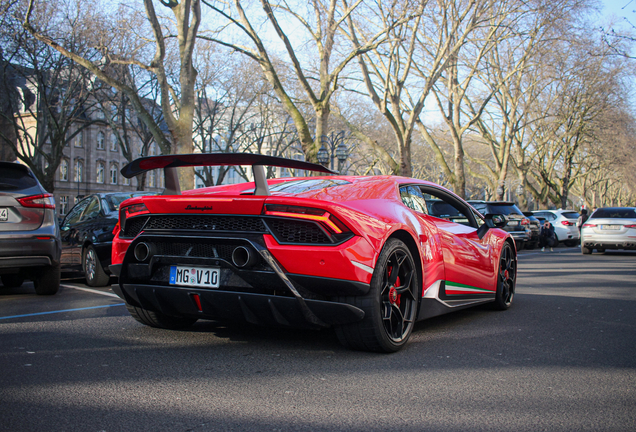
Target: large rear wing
<point>257,161</point>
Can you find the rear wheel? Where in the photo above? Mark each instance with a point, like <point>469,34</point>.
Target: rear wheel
<point>570,243</point>
<point>93,271</point>
<point>390,307</point>
<point>585,250</point>
<point>48,281</point>
<point>506,279</point>
<point>159,320</point>
<point>12,281</point>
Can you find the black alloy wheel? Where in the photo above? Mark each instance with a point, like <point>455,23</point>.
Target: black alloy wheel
<point>390,307</point>
<point>507,278</point>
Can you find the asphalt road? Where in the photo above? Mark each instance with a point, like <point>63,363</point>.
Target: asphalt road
<point>563,358</point>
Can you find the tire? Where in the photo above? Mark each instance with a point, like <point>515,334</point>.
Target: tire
<point>585,250</point>
<point>506,278</point>
<point>570,243</point>
<point>93,270</point>
<point>390,311</point>
<point>12,280</point>
<point>48,281</point>
<point>159,320</point>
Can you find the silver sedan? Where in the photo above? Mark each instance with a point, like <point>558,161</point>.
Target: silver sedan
<point>609,228</point>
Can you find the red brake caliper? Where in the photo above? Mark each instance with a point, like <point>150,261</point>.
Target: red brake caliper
<point>394,297</point>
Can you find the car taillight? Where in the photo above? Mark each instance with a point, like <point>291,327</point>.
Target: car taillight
<point>38,201</point>
<point>567,223</point>
<point>525,221</point>
<point>130,211</point>
<point>308,213</point>
<point>630,226</point>
<point>588,225</point>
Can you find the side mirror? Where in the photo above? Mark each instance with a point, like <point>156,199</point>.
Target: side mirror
<point>491,221</point>
<point>497,220</point>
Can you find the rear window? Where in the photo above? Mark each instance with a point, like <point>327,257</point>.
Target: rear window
<point>570,215</point>
<point>505,209</point>
<point>300,186</point>
<point>615,213</point>
<point>15,177</point>
<point>115,200</point>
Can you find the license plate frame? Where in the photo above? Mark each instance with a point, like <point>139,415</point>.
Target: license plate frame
<point>611,227</point>
<point>195,276</point>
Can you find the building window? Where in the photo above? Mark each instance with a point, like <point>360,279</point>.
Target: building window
<point>64,170</point>
<point>77,142</point>
<point>126,181</point>
<point>78,176</point>
<point>100,172</point>
<point>100,141</point>
<point>114,145</point>
<point>63,205</point>
<point>113,174</point>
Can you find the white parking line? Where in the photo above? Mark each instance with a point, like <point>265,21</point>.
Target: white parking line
<point>90,290</point>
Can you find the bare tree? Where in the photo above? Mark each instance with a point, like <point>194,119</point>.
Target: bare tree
<point>177,32</point>
<point>50,101</point>
<point>318,74</point>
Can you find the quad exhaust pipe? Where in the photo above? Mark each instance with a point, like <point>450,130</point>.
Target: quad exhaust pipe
<point>243,257</point>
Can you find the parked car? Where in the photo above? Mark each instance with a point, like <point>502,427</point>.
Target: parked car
<point>609,228</point>
<point>366,255</point>
<point>87,235</point>
<point>535,230</point>
<point>564,222</point>
<point>29,231</point>
<point>518,225</point>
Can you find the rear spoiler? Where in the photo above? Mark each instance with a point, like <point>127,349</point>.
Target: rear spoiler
<point>257,161</point>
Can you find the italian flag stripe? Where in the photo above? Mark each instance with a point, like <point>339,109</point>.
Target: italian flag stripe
<point>454,288</point>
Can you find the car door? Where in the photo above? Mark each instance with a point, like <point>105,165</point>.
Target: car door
<point>468,260</point>
<point>69,236</point>
<point>88,225</point>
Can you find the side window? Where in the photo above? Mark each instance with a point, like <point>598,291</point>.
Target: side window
<point>92,210</point>
<point>75,213</point>
<point>445,206</point>
<point>413,198</point>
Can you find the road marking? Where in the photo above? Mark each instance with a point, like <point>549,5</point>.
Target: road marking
<point>91,291</point>
<point>61,311</point>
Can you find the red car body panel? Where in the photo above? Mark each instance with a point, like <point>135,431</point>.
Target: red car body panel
<point>458,265</point>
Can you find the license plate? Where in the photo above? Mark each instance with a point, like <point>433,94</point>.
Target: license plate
<point>4,214</point>
<point>202,277</point>
<point>611,227</point>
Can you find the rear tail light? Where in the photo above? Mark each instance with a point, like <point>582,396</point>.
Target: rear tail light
<point>567,223</point>
<point>630,226</point>
<point>589,225</point>
<point>38,201</point>
<point>325,218</point>
<point>130,211</point>
<point>525,221</point>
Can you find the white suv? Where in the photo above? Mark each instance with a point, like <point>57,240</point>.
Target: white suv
<point>564,222</point>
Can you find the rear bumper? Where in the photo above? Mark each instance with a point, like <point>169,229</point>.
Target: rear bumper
<point>20,253</point>
<point>236,306</point>
<point>608,244</point>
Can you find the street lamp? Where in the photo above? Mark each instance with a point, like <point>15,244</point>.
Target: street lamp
<point>323,156</point>
<point>333,147</point>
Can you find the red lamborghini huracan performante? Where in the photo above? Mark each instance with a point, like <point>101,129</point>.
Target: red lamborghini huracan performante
<point>368,256</point>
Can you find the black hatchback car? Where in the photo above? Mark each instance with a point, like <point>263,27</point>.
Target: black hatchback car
<point>518,224</point>
<point>87,235</point>
<point>29,231</point>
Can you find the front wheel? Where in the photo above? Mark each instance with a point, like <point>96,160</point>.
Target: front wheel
<point>93,270</point>
<point>159,320</point>
<point>506,278</point>
<point>390,307</point>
